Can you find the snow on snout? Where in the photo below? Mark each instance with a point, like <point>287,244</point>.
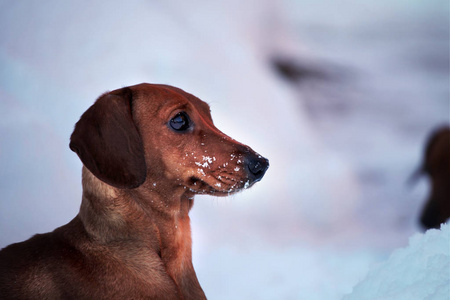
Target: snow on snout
<point>205,163</point>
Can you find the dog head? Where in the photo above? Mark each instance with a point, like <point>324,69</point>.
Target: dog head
<point>159,134</point>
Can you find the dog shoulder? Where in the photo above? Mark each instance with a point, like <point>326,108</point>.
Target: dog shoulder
<point>25,270</point>
<point>51,266</point>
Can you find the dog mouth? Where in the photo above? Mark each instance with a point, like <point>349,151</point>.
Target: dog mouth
<point>239,173</point>
<point>220,187</point>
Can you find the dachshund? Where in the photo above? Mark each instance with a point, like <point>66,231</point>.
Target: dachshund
<point>146,151</point>
<point>436,165</point>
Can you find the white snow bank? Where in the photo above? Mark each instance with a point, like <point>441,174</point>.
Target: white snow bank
<point>419,271</point>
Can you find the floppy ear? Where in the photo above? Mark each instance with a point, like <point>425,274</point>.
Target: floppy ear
<point>108,142</point>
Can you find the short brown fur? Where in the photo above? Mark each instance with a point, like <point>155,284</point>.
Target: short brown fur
<point>132,236</point>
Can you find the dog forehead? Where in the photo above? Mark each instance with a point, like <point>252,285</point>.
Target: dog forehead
<point>161,97</point>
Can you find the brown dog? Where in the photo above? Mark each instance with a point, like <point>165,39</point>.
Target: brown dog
<point>147,150</point>
<point>436,165</point>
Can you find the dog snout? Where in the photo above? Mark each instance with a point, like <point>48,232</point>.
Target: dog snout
<point>256,167</point>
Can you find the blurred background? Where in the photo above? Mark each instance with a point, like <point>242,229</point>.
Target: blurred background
<point>340,96</point>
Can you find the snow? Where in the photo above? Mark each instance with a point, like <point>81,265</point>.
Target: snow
<point>419,271</point>
<point>206,161</point>
<point>333,202</point>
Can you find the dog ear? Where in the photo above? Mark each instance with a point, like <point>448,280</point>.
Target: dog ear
<point>108,143</point>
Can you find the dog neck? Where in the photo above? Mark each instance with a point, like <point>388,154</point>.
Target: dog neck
<point>143,215</point>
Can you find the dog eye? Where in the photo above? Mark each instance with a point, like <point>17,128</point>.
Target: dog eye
<point>180,122</point>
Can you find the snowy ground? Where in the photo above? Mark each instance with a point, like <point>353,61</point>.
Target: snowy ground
<point>341,146</point>
<point>419,271</point>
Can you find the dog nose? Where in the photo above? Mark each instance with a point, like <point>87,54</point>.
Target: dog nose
<point>257,167</point>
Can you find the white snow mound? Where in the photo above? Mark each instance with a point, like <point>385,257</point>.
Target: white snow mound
<point>419,271</point>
